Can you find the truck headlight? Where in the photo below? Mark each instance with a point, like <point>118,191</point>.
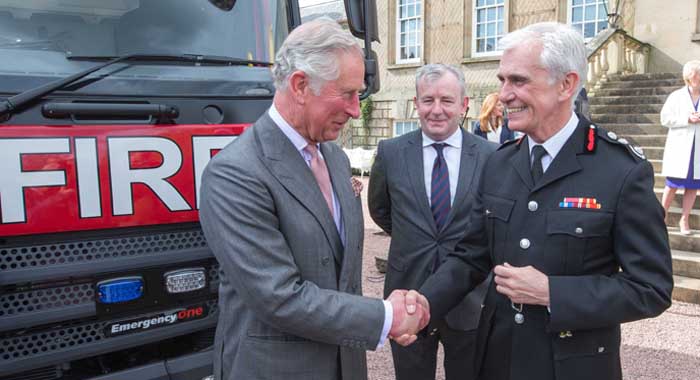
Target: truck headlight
<point>185,280</point>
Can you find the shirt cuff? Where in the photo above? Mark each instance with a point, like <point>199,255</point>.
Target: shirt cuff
<point>388,320</point>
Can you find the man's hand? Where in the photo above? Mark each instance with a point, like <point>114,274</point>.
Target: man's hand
<point>411,314</point>
<point>524,285</point>
<point>694,118</point>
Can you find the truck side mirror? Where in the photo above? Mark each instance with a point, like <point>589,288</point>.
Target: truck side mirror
<point>371,75</point>
<point>362,21</point>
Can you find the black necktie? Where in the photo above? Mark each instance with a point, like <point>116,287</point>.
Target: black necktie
<point>440,187</point>
<point>536,169</point>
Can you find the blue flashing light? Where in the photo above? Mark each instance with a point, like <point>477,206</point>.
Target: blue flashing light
<point>120,290</point>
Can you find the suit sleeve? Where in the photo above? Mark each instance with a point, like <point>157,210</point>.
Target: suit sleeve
<point>463,269</point>
<point>378,198</point>
<point>642,288</point>
<point>239,219</point>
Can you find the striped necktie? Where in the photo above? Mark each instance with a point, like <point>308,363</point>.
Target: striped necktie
<point>440,187</point>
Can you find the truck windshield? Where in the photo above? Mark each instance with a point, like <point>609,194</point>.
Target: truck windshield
<point>39,38</point>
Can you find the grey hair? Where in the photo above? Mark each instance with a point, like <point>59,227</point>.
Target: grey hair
<point>313,48</point>
<point>689,68</point>
<point>433,71</point>
<point>563,49</point>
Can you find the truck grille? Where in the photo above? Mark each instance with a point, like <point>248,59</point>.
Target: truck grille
<point>46,299</point>
<point>46,373</point>
<point>83,337</point>
<point>88,251</point>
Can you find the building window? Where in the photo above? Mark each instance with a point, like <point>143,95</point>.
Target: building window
<point>403,127</point>
<point>409,26</point>
<point>588,16</point>
<point>488,23</point>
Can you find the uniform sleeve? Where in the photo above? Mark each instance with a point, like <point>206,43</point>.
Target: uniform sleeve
<point>642,288</point>
<point>673,114</point>
<point>378,197</point>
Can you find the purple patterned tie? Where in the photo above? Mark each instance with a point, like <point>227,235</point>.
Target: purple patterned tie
<point>440,187</point>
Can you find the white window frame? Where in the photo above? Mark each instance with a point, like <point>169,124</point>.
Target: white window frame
<point>503,21</point>
<point>415,123</point>
<point>418,17</point>
<point>599,5</point>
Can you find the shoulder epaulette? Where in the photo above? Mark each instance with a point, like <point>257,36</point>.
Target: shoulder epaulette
<point>511,142</point>
<point>636,151</point>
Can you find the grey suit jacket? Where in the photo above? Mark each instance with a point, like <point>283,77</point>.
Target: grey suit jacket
<point>399,204</point>
<point>289,296</point>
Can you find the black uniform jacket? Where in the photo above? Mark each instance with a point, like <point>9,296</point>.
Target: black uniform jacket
<point>607,264</point>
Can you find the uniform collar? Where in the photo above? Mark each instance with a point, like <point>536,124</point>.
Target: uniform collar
<point>554,144</point>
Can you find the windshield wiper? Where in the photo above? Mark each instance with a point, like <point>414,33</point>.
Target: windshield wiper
<point>8,106</point>
<point>183,58</point>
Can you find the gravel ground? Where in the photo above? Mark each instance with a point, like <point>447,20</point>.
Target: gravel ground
<point>663,348</point>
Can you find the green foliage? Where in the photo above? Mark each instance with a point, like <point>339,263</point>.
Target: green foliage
<point>366,107</point>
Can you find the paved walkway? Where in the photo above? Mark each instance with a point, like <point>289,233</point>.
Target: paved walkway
<point>663,348</point>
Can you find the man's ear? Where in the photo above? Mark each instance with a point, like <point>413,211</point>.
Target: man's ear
<point>298,84</point>
<point>569,85</point>
<point>465,105</point>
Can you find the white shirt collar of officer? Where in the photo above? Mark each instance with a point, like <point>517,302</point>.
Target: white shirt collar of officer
<point>554,144</point>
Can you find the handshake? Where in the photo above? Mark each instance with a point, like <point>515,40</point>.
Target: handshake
<point>411,314</point>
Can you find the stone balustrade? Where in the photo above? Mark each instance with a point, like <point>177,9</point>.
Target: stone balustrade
<point>613,51</point>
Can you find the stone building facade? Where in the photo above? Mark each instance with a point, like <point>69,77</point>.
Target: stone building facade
<point>447,31</point>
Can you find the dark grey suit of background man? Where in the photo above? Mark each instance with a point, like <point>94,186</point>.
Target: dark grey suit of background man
<point>290,252</point>
<point>400,203</point>
<point>567,219</point>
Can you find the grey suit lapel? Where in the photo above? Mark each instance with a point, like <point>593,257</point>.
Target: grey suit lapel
<point>413,162</point>
<point>343,192</point>
<point>288,166</point>
<point>467,169</point>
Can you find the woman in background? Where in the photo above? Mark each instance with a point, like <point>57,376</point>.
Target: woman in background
<point>491,124</point>
<point>681,165</point>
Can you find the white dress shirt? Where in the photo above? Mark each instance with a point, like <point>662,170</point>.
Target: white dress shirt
<point>300,143</point>
<point>452,152</point>
<point>554,144</point>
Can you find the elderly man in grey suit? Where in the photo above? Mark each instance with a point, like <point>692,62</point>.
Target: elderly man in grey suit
<point>421,190</point>
<point>281,217</point>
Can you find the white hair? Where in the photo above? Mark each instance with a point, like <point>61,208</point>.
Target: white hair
<point>313,48</point>
<point>563,49</point>
<point>690,68</point>
<point>434,71</point>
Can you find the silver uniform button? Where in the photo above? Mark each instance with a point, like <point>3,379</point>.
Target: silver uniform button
<point>532,206</point>
<point>623,141</point>
<point>524,243</point>
<point>612,135</point>
<point>579,230</point>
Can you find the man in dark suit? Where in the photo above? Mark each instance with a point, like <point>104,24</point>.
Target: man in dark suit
<point>404,200</point>
<point>566,218</point>
<point>282,219</point>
